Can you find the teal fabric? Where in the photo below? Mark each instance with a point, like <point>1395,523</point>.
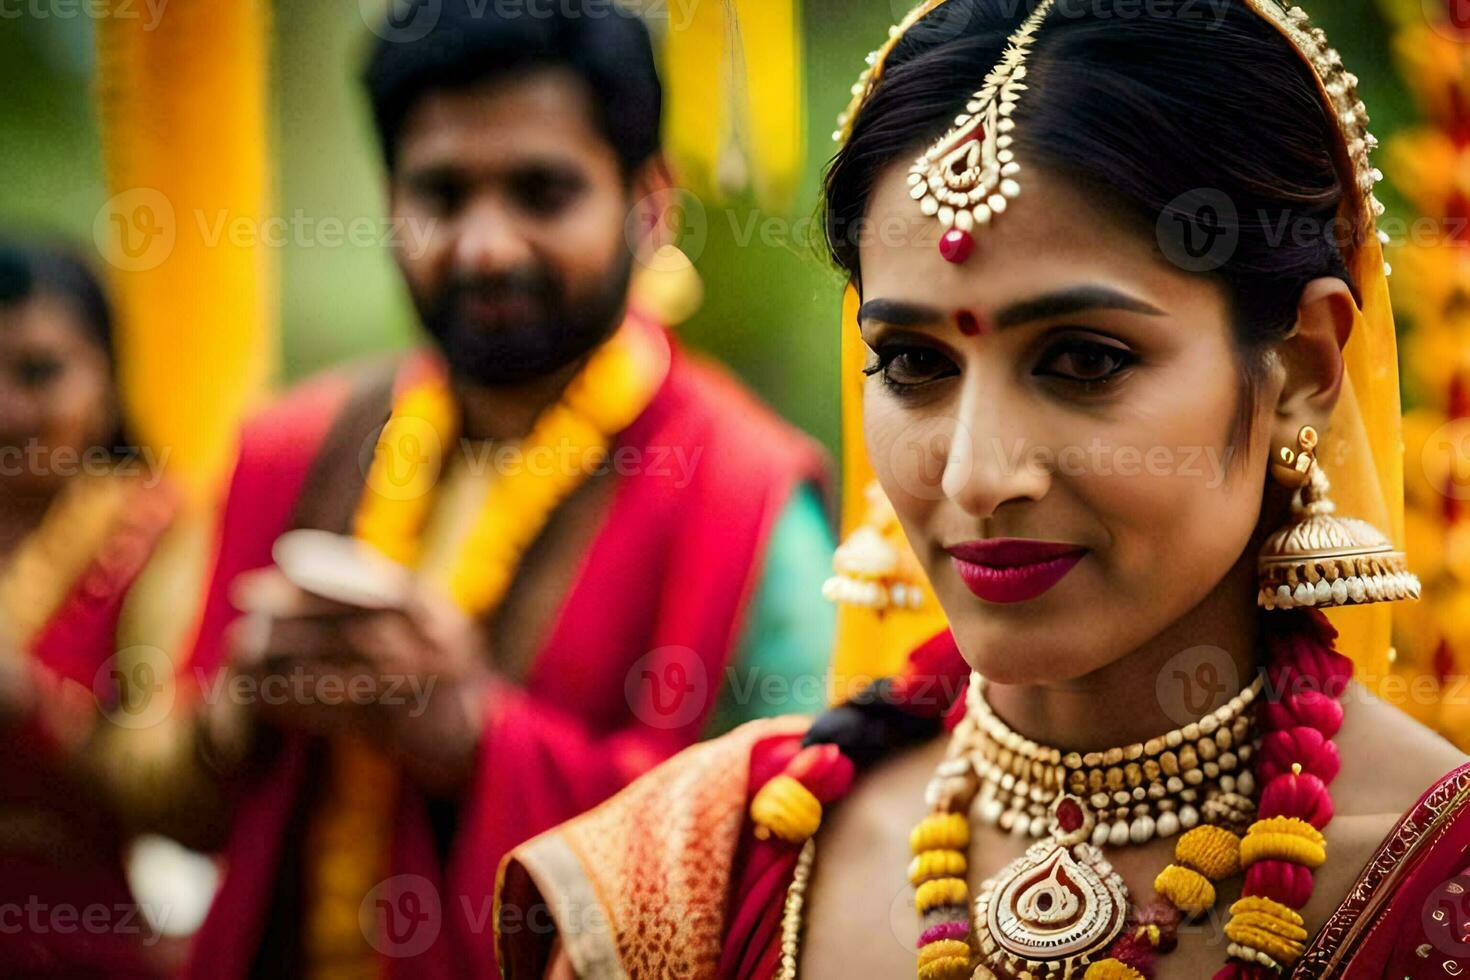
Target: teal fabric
<point>780,665</point>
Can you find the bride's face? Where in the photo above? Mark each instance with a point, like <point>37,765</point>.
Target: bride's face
<point>1068,386</point>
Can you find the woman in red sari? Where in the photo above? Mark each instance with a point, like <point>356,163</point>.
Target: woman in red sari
<point>80,517</point>
<point>1125,313</point>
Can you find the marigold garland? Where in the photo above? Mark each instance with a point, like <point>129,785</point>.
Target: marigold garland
<point>1189,891</point>
<point>1284,839</point>
<point>787,809</point>
<point>941,863</point>
<point>1212,851</point>
<point>1111,969</point>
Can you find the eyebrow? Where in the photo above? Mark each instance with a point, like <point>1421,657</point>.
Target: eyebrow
<point>441,170</point>
<point>1075,299</point>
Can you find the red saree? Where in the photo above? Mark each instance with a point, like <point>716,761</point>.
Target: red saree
<point>68,909</point>
<point>696,894</point>
<point>570,736</point>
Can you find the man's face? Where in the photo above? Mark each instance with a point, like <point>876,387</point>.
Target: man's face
<point>518,260</point>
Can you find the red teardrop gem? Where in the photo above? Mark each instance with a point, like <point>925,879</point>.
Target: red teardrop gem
<point>956,245</point>
<point>1069,814</point>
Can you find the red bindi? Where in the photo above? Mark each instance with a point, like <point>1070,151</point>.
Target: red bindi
<point>969,324</point>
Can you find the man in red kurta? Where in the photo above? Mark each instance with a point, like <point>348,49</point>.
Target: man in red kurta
<point>658,600</point>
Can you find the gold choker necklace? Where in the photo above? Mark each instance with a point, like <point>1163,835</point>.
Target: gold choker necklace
<point>1137,792</point>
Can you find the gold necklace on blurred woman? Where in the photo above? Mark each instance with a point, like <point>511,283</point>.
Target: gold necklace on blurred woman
<point>37,576</point>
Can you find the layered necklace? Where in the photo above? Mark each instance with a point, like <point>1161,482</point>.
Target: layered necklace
<point>1136,792</point>
<point>1060,911</point>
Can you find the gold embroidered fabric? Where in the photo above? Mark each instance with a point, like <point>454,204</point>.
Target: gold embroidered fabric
<point>658,856</point>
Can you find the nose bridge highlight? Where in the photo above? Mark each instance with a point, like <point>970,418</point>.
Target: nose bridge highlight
<point>489,237</point>
<point>990,460</point>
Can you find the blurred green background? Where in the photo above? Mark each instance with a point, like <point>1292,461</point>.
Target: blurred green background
<point>770,312</point>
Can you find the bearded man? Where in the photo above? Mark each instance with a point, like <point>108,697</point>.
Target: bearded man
<point>608,549</point>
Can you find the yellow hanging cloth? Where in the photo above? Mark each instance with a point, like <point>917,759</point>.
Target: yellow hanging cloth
<point>183,107</point>
<point>734,114</point>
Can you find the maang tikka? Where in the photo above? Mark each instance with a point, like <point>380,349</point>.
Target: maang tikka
<point>969,174</point>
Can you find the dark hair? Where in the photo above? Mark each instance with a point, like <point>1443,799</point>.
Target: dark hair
<point>472,42</point>
<point>28,271</point>
<point>1149,107</point>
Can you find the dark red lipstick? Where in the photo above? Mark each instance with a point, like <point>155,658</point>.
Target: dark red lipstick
<point>1013,569</point>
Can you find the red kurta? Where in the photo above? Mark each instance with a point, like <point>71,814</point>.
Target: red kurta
<point>671,571</point>
<point>65,905</point>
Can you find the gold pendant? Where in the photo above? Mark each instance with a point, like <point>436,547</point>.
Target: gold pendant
<point>1054,909</point>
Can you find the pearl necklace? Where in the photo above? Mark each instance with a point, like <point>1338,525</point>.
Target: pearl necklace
<point>1136,792</point>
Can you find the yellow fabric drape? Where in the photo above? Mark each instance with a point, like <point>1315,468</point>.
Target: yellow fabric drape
<point>183,106</point>
<point>735,107</point>
<point>870,643</point>
<point>1362,451</point>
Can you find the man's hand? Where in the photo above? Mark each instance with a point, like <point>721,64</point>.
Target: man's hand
<point>412,676</point>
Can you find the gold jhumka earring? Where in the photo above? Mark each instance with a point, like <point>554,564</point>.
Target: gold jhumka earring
<point>1320,559</point>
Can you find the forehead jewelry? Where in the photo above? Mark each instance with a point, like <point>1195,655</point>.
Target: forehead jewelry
<point>970,172</point>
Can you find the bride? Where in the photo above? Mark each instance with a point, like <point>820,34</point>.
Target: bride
<point>1119,316</point>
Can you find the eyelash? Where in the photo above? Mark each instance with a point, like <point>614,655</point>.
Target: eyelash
<point>889,353</point>
<point>1124,357</point>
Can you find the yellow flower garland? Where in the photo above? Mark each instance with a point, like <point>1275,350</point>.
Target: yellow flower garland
<point>1284,839</point>
<point>1111,969</point>
<point>351,830</point>
<point>940,831</point>
<point>1212,851</point>
<point>1186,889</point>
<point>786,808</point>
<point>941,863</point>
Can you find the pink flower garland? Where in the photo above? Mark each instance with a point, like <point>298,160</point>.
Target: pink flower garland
<point>1305,676</point>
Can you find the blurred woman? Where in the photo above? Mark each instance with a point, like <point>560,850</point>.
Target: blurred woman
<point>80,515</point>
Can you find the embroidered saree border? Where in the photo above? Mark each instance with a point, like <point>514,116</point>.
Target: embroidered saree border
<point>1417,831</point>
<point>587,934</point>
